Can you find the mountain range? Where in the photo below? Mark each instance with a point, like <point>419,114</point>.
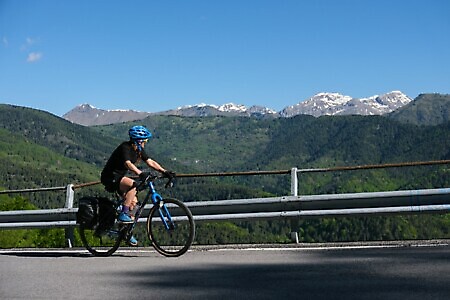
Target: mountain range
<point>332,104</point>
<point>88,115</point>
<point>320,104</point>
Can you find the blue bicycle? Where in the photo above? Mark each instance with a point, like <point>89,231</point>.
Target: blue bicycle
<point>170,225</point>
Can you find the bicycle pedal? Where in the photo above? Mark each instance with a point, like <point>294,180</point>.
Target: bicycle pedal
<point>125,222</point>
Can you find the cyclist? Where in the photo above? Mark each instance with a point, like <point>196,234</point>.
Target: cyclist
<point>124,159</point>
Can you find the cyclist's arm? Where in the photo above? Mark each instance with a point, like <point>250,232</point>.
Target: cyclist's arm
<point>155,165</point>
<point>132,167</point>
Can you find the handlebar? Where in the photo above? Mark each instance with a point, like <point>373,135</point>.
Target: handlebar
<point>170,182</point>
<point>141,184</point>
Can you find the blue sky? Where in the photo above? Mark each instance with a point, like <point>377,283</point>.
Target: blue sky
<point>158,55</point>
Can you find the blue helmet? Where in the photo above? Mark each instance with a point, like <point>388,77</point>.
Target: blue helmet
<point>139,133</point>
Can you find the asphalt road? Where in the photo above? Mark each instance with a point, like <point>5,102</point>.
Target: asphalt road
<point>371,271</point>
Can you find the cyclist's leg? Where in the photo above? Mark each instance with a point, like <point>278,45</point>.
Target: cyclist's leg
<point>125,185</point>
<point>128,189</point>
<point>129,192</point>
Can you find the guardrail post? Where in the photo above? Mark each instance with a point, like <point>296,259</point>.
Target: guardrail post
<point>294,182</point>
<point>294,192</point>
<point>294,237</point>
<point>69,204</point>
<point>69,196</point>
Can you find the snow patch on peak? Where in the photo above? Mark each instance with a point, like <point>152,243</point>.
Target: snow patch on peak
<point>86,106</point>
<point>200,105</point>
<point>231,107</point>
<point>331,98</point>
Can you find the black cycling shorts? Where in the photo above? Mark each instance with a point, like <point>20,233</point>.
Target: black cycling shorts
<point>112,182</point>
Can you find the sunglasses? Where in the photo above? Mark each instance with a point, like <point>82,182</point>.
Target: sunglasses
<point>142,141</point>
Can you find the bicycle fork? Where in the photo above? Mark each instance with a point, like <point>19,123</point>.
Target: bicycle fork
<point>164,213</point>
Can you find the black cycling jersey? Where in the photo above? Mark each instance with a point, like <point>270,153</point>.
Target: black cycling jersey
<point>115,167</point>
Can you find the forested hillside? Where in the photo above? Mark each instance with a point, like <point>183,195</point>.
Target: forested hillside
<point>25,164</point>
<point>38,149</point>
<point>426,109</point>
<point>68,139</point>
<point>219,144</point>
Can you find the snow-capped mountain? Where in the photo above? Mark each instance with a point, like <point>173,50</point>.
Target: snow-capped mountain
<point>229,109</point>
<point>318,105</point>
<point>88,115</point>
<point>336,104</point>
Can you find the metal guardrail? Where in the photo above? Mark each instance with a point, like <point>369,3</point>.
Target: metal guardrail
<point>295,171</point>
<point>311,206</point>
<point>293,206</point>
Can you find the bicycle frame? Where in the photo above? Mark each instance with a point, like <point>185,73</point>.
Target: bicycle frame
<point>156,199</point>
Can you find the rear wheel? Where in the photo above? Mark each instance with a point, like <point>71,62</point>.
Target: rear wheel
<point>171,231</point>
<point>102,242</point>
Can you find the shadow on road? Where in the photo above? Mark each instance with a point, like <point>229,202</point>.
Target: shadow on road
<point>53,253</point>
<point>408,273</point>
<point>40,253</point>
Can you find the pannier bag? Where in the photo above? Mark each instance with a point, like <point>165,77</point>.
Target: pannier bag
<point>106,213</point>
<point>87,215</point>
<point>96,213</point>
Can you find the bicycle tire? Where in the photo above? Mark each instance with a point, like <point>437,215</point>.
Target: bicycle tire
<point>103,243</point>
<point>177,240</point>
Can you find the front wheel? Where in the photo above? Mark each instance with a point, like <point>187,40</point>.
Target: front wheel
<point>171,227</point>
